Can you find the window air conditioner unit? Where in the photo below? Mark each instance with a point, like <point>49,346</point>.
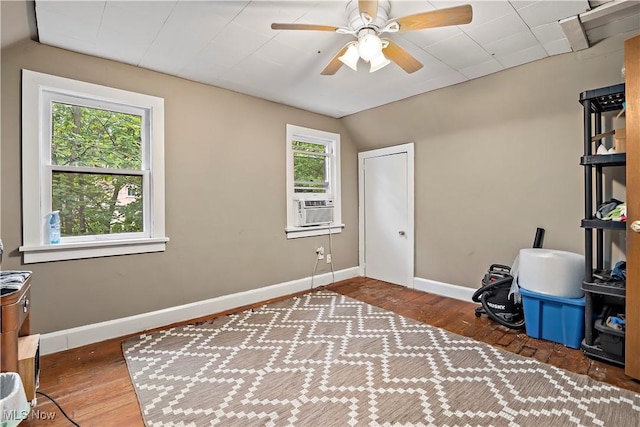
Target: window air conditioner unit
<point>314,212</point>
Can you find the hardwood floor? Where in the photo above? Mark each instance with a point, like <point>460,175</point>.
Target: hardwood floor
<point>92,384</point>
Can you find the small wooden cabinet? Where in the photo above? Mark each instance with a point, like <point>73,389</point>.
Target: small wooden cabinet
<point>15,309</point>
<point>29,364</point>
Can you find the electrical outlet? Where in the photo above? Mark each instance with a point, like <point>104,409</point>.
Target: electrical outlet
<point>320,252</point>
<point>328,258</point>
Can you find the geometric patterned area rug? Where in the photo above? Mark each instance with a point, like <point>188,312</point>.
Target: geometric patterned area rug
<point>323,359</point>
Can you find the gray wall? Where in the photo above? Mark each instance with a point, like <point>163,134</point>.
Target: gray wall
<point>496,157</point>
<point>225,193</point>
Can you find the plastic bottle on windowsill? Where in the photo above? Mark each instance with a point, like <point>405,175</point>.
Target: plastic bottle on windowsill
<point>54,227</point>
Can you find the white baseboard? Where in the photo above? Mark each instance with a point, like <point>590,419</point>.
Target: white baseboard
<point>445,289</point>
<point>89,334</point>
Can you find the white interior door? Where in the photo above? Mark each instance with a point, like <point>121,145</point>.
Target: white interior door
<point>387,215</point>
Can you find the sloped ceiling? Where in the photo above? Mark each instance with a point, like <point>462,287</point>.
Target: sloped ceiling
<point>230,43</point>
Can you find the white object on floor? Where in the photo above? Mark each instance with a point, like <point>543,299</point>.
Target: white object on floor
<point>551,272</point>
<point>13,400</point>
<point>515,289</point>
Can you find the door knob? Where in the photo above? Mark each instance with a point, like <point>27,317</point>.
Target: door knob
<point>635,226</point>
<point>402,233</point>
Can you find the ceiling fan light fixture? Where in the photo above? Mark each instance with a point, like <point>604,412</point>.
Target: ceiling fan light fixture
<point>369,46</point>
<point>379,62</point>
<point>351,57</point>
<point>368,20</point>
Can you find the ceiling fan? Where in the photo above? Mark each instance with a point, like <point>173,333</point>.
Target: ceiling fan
<point>368,19</point>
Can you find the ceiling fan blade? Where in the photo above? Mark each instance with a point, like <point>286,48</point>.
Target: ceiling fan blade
<point>335,64</point>
<point>436,18</point>
<point>401,57</point>
<point>312,27</point>
<point>370,7</point>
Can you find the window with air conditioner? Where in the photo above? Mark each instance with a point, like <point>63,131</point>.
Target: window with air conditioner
<point>313,182</point>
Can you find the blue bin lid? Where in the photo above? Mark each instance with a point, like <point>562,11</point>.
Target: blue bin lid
<point>569,301</point>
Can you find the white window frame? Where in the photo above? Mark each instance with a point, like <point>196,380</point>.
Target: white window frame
<point>38,90</point>
<point>332,141</point>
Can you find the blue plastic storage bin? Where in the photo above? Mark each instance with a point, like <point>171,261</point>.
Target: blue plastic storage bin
<point>553,318</point>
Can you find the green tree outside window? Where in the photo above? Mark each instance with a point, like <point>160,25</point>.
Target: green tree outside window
<point>310,171</point>
<point>96,203</point>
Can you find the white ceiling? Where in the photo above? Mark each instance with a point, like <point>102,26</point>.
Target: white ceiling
<point>230,44</point>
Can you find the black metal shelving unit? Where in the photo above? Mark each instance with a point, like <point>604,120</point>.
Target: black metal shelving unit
<point>598,291</point>
<point>599,224</point>
<point>605,160</point>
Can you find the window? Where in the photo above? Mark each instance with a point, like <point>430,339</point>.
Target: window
<point>313,177</point>
<point>311,163</point>
<point>96,155</point>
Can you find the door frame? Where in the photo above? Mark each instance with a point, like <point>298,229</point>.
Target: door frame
<point>407,148</point>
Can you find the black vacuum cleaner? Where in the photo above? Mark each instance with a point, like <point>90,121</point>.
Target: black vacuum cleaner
<point>493,295</point>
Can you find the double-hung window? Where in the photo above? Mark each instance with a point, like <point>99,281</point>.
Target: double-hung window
<point>313,182</point>
<point>311,166</point>
<point>94,154</point>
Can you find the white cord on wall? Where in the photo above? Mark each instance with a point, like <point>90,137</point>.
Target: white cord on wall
<point>315,267</point>
<point>314,271</point>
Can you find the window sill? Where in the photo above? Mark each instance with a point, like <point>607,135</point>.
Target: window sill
<point>68,251</point>
<point>318,230</point>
